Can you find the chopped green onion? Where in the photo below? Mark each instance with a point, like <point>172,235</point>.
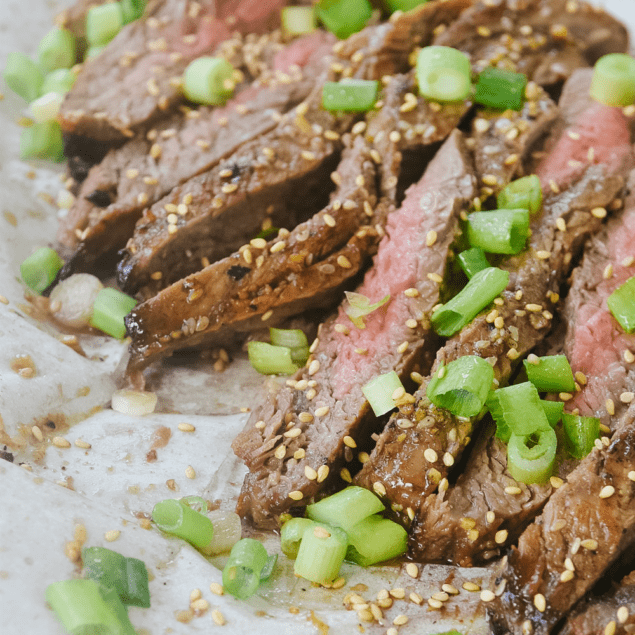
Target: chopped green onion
<point>351,95</point>
<point>551,373</point>
<point>376,539</point>
<point>523,193</point>
<point>103,22</point>
<point>209,80</point>
<point>502,231</point>
<point>128,576</point>
<point>56,50</point>
<point>530,458</point>
<point>84,609</point>
<point>271,360</point>
<point>343,17</point>
<point>462,386</point>
<point>621,303</point>
<point>581,433</point>
<point>294,339</point>
<point>110,309</point>
<point>197,503</point>
<point>23,76</point>
<point>403,5</point>
<point>46,108</point>
<point>472,261</point>
<point>321,554</point>
<point>42,141</point>
<point>40,269</point>
<point>241,575</point>
<point>132,10</point>
<point>270,565</point>
<point>227,530</point>
<point>517,410</point>
<point>553,411</point>
<point>443,74</point>
<point>346,508</point>
<point>498,88</point>
<point>174,517</point>
<point>291,535</point>
<point>298,20</point>
<point>467,304</point>
<point>379,392</point>
<point>359,306</point>
<point>613,80</point>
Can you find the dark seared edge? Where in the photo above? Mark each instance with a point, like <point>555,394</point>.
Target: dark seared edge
<point>301,438</point>
<point>408,465</point>
<point>145,169</point>
<point>264,281</point>
<point>586,525</point>
<point>136,78</point>
<point>545,39</point>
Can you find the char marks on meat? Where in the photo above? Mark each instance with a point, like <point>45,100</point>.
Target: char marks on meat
<point>311,427</point>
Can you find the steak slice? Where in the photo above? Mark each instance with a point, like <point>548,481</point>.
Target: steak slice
<point>184,144</point>
<point>586,526</point>
<point>595,614</point>
<point>265,282</point>
<point>226,206</point>
<point>545,39</point>
<point>299,440</point>
<point>136,78</point>
<point>595,344</point>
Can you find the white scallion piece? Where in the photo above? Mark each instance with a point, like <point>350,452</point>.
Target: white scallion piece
<point>227,530</point>
<point>45,108</point>
<point>71,301</point>
<point>134,402</point>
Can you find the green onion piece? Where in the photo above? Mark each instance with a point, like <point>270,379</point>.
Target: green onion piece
<point>350,95</point>
<point>581,433</point>
<point>209,80</point>
<point>403,5</point>
<point>443,74</point>
<point>291,535</point>
<point>530,458</point>
<point>197,503</point>
<point>462,386</point>
<point>59,81</point>
<point>23,76</point>
<point>621,304</point>
<point>103,22</point>
<point>42,141</point>
<point>374,540</point>
<point>271,360</point>
<point>40,269</point>
<point>83,609</point>
<point>359,306</point>
<point>321,554</point>
<point>56,50</point>
<point>268,233</point>
<point>294,339</point>
<point>346,508</point>
<point>173,517</point>
<point>502,231</point>
<point>343,17</point>
<point>270,565</point>
<point>551,374</point>
<point>128,576</point>
<point>472,261</point>
<point>467,304</point>
<point>110,309</point>
<point>553,411</point>
<point>503,431</point>
<point>241,575</point>
<point>613,80</point>
<point>519,407</point>
<point>132,10</point>
<point>379,392</point>
<point>498,88</point>
<point>524,193</point>
<point>298,20</point>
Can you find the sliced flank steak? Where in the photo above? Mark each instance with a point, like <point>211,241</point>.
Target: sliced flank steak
<point>545,39</point>
<point>136,78</point>
<point>145,169</point>
<point>302,437</point>
<point>265,281</point>
<point>585,527</point>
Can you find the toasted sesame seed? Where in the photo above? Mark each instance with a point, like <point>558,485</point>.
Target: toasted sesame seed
<point>627,397</point>
<point>190,472</point>
<point>568,564</point>
<point>265,316</point>
<point>296,495</point>
<point>280,452</point>
<point>543,254</point>
<point>622,614</point>
<point>345,475</point>
<point>359,127</point>
<point>610,406</point>
<point>300,453</point>
<point>400,620</point>
<point>216,588</point>
<point>610,628</point>
<point>450,589</point>
<point>513,490</point>
<point>556,482</point>
<point>471,586</point>
<point>412,570</point>
<point>293,433</point>
<point>539,602</point>
<point>188,427</point>
<point>567,576</point>
<point>631,475</point>
<point>430,455</point>
<point>501,536</point>
<point>61,442</point>
<point>607,491</point>
<point>37,433</point>
<point>629,358</point>
<point>442,596</point>
<point>435,277</point>
<point>112,535</point>
<point>489,179</point>
<point>322,473</point>
<point>379,488</point>
<point>344,262</point>
<point>589,544</point>
<point>305,417</point>
<point>598,212</point>
<point>487,595</point>
<point>349,441</point>
<point>217,617</point>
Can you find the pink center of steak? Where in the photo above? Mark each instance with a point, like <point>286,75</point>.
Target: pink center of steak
<point>301,51</point>
<point>600,135</point>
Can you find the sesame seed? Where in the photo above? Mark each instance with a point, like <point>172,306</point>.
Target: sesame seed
<point>501,536</point>
<point>379,488</point>
<point>513,490</point>
<point>430,455</point>
<point>112,535</point>
<point>568,564</point>
<point>190,472</point>
<point>471,586</point>
<point>598,212</point>
<point>266,315</point>
<point>400,620</point>
<point>344,262</point>
<point>345,475</point>
<point>627,262</point>
<point>543,254</point>
<point>556,482</point>
<point>487,595</point>
<point>296,495</point>
<point>321,532</point>
<point>450,589</point>
<point>258,243</point>
<point>412,323</point>
<point>622,614</point>
<point>412,570</point>
<point>411,292</point>
<point>299,454</point>
<point>61,442</point>
<point>349,441</point>
<point>435,277</point>
<point>305,417</point>
<point>394,136</point>
<point>499,322</point>
<point>329,220</point>
<point>280,452</point>
<point>314,366</point>
<point>607,274</point>
<point>435,604</point>
<point>218,617</point>
<point>403,347</point>
<point>610,628</point>
<point>188,427</point>
<point>490,179</point>
<point>84,445</point>
<point>631,475</point>
<point>567,576</point>
<point>307,155</point>
<point>322,473</point>
<point>607,491</point>
<point>565,396</point>
<point>359,127</point>
<point>322,411</point>
<point>610,407</point>
<point>293,433</point>
<point>629,358</point>
<point>627,397</point>
<point>513,353</point>
<point>4,300</point>
<point>539,602</point>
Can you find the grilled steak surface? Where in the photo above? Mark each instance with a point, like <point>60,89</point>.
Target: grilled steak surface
<point>304,434</point>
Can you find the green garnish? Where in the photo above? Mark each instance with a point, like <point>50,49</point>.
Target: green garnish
<point>110,308</point>
<point>209,80</point>
<point>346,508</point>
<point>443,74</point>
<point>40,269</point>
<point>343,17</point>
<point>550,374</point>
<point>379,392</point>
<point>501,89</point>
<point>502,231</point>
<point>621,303</point>
<point>613,80</point>
<point>177,518</point>
<point>523,193</point>
<point>350,95</point>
